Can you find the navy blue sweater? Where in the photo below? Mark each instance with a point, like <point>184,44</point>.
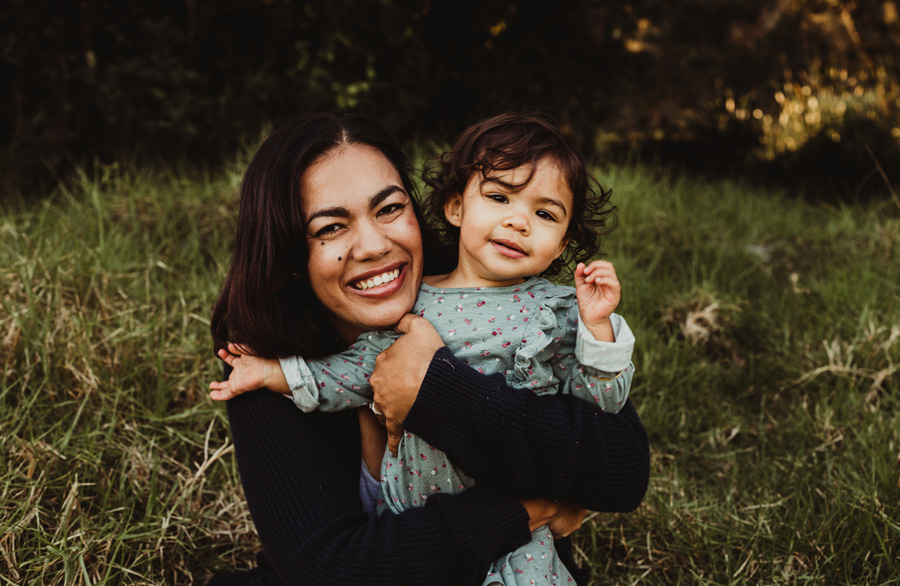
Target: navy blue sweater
<point>301,476</point>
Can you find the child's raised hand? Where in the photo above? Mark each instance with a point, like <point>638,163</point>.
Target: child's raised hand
<point>599,291</point>
<point>249,373</point>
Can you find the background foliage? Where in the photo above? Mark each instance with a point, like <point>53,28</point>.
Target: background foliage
<point>768,380</point>
<point>773,86</point>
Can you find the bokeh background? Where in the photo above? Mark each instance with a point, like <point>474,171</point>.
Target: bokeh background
<point>753,150</point>
<point>776,87</point>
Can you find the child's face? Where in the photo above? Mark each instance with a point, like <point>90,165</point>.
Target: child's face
<point>508,235</point>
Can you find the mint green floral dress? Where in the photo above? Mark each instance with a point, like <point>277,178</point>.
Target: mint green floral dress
<point>528,332</point>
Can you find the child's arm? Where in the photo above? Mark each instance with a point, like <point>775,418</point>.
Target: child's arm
<point>602,370</point>
<point>599,291</point>
<point>337,382</point>
<point>249,373</point>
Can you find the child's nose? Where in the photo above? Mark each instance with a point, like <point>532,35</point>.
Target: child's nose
<point>516,221</point>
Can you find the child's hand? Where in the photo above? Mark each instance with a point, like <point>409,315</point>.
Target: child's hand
<point>598,290</point>
<point>249,373</point>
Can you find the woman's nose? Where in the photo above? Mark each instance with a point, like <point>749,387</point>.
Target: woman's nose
<point>372,242</point>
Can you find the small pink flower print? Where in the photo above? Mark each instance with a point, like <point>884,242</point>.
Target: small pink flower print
<point>467,344</point>
<point>492,320</point>
<point>532,294</point>
<point>516,298</point>
<point>485,354</point>
<point>423,457</point>
<point>480,303</point>
<point>422,313</point>
<point>506,344</point>
<point>468,321</point>
<point>322,385</point>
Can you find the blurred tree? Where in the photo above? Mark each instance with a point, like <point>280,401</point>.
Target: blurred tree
<point>754,78</point>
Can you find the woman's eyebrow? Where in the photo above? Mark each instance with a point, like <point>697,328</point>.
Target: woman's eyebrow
<point>335,212</point>
<point>342,212</point>
<point>383,194</point>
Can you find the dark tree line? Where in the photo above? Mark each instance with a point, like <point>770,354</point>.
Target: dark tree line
<point>192,78</point>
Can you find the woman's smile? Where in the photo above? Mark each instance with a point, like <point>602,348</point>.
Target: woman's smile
<point>380,281</point>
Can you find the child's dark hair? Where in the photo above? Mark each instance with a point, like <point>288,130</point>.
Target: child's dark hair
<point>503,143</point>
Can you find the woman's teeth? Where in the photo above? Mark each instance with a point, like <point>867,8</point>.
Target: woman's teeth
<point>379,280</point>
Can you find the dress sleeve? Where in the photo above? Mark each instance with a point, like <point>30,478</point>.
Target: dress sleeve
<point>553,446</point>
<point>560,355</point>
<point>337,382</point>
<point>300,474</point>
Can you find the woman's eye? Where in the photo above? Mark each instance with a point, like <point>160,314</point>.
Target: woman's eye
<point>497,197</point>
<point>328,230</point>
<point>391,209</point>
<point>546,215</point>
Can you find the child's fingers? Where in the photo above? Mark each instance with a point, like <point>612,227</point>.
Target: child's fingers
<point>598,265</point>
<point>599,268</point>
<point>219,395</point>
<point>228,357</point>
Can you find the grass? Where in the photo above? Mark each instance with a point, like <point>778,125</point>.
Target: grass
<point>768,380</point>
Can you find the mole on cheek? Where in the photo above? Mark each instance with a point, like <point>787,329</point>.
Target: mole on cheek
<point>339,258</point>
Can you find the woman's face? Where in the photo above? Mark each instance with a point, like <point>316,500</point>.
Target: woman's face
<point>365,245</point>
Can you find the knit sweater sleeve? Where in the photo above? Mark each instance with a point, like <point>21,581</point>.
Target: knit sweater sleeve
<point>300,474</point>
<point>551,446</point>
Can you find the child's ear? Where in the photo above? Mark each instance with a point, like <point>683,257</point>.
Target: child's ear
<point>453,210</point>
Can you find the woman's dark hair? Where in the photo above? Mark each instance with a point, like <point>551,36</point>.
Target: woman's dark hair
<point>503,143</point>
<point>267,302</point>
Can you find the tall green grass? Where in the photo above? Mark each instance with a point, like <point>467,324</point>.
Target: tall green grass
<point>768,351</point>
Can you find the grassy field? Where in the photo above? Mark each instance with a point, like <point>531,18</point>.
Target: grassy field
<point>768,379</point>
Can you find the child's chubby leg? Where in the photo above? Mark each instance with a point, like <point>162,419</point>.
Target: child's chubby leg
<point>535,563</point>
<point>248,373</point>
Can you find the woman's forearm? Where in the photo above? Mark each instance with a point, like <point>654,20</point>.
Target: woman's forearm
<point>300,474</point>
<point>556,447</point>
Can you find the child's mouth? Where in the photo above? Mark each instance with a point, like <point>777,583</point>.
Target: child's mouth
<point>507,248</point>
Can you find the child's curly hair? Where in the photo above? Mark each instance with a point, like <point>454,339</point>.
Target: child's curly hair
<point>503,143</point>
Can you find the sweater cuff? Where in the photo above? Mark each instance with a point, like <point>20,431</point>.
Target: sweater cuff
<point>507,526</point>
<point>437,411</point>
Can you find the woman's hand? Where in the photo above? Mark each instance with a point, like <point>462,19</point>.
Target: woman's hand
<point>561,518</point>
<point>399,372</point>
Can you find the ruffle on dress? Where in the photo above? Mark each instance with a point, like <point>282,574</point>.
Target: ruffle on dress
<point>552,317</point>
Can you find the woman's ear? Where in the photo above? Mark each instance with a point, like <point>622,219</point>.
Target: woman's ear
<point>453,210</point>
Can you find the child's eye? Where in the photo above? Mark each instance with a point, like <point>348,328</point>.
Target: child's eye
<point>497,197</point>
<point>546,215</point>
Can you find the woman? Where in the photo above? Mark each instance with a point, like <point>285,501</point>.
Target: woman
<point>327,204</point>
